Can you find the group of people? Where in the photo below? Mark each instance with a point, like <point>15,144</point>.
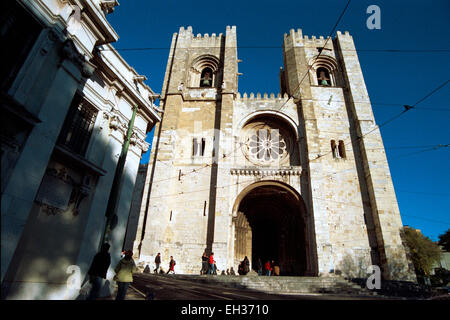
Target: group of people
<point>126,267</point>
<point>208,264</point>
<point>270,268</point>
<point>244,267</point>
<point>124,272</point>
<point>172,264</point>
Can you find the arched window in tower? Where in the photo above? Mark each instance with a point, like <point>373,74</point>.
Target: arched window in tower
<point>324,71</point>
<point>204,72</point>
<point>323,77</point>
<point>206,78</point>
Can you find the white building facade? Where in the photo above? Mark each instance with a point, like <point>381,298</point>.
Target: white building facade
<point>66,97</point>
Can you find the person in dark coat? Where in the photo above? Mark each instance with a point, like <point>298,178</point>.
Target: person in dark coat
<point>97,271</point>
<point>246,265</point>
<point>260,269</point>
<point>241,268</point>
<point>205,260</point>
<point>157,262</point>
<point>215,268</point>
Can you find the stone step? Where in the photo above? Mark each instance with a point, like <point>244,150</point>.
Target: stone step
<point>280,284</point>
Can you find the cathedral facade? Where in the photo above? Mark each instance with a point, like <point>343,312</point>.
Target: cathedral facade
<point>300,178</point>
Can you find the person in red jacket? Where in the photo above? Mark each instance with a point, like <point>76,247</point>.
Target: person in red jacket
<point>172,264</point>
<point>211,264</point>
<point>268,268</point>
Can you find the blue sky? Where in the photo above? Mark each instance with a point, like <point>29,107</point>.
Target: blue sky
<point>421,178</point>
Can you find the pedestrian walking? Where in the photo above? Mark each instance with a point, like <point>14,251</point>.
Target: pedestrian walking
<point>97,271</point>
<point>211,269</point>
<point>124,274</point>
<point>157,262</point>
<point>268,268</point>
<point>205,260</point>
<point>172,264</point>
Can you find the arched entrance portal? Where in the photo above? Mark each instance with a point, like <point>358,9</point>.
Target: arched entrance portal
<point>270,225</point>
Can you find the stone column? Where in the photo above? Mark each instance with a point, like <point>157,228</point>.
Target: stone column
<point>19,193</point>
<point>96,223</point>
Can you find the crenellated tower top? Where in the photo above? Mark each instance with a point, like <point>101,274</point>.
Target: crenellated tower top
<point>205,62</point>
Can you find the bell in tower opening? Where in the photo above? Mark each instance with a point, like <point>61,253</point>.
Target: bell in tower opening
<point>323,77</point>
<point>206,79</point>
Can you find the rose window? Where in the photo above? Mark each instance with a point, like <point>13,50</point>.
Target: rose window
<point>267,145</point>
<point>267,142</point>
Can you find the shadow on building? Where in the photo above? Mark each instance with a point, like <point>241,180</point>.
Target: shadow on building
<point>66,98</point>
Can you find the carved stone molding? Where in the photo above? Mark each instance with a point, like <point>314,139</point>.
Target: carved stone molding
<point>70,52</point>
<point>144,145</point>
<point>87,69</point>
<point>134,139</point>
<point>117,122</point>
<point>266,172</point>
<point>49,41</point>
<point>108,5</point>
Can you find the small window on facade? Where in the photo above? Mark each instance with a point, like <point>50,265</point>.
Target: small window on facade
<point>78,126</point>
<point>194,147</point>
<point>334,149</point>
<point>206,78</point>
<point>204,209</point>
<point>202,151</point>
<point>341,149</point>
<point>323,77</point>
<point>198,147</point>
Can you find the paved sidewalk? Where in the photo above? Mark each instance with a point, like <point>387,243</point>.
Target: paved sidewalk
<point>132,294</point>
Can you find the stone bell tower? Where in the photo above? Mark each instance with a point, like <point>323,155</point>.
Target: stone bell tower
<point>349,189</point>
<point>197,98</point>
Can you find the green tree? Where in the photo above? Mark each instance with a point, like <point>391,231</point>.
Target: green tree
<point>424,252</point>
<point>444,240</point>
